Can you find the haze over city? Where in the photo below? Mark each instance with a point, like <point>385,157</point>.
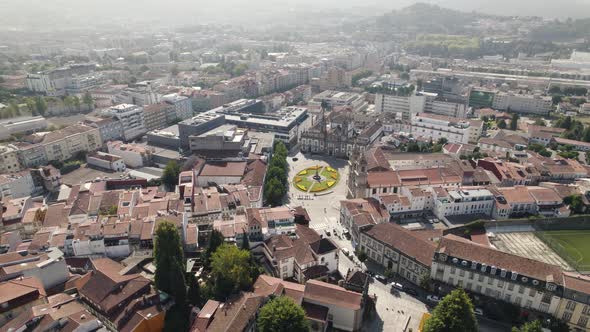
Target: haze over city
<point>292,166</point>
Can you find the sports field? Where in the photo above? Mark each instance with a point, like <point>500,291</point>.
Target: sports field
<point>573,246</point>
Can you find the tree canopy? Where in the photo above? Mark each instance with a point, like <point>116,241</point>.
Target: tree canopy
<point>170,175</point>
<point>169,276</point>
<point>282,314</point>
<point>230,268</point>
<point>453,314</point>
<point>534,326</point>
<point>276,184</point>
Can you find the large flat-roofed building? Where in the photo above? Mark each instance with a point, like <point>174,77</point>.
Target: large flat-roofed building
<point>183,107</point>
<point>340,99</point>
<point>157,116</point>
<point>286,124</point>
<point>223,138</point>
<point>197,125</point>
<point>21,125</point>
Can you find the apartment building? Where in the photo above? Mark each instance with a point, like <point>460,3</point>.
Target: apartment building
<point>398,250</point>
<point>9,162</point>
<point>110,128</point>
<point>183,107</point>
<point>15,185</point>
<point>524,282</point>
<point>406,107</point>
<point>454,130</point>
<point>463,201</point>
<point>521,103</point>
<point>132,119</point>
<point>157,115</point>
<point>54,82</point>
<point>63,144</point>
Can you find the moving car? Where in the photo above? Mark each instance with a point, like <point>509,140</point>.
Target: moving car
<point>397,286</point>
<point>478,312</point>
<point>381,278</point>
<point>345,251</point>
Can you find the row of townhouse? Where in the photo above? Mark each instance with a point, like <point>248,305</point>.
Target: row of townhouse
<point>458,262</point>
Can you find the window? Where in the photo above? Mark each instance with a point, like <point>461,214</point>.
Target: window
<point>507,297</point>
<point>510,286</point>
<point>478,288</point>
<point>521,289</point>
<point>566,316</point>
<point>470,274</point>
<point>585,310</point>
<point>462,273</point>
<point>490,281</point>
<point>528,304</point>
<point>571,305</point>
<point>517,301</point>
<point>453,269</point>
<point>583,321</point>
<point>500,283</point>
<point>451,281</point>
<point>480,278</point>
<point>469,285</point>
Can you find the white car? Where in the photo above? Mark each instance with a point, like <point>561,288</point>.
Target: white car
<point>345,251</point>
<point>478,311</point>
<point>433,298</point>
<point>397,286</point>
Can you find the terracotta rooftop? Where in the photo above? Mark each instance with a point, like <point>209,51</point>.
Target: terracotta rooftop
<point>461,248</point>
<point>404,240</point>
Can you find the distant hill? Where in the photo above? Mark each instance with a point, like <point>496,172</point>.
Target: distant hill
<point>426,18</point>
<point>549,9</point>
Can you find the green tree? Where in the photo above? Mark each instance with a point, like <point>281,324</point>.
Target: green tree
<point>76,102</point>
<point>514,121</point>
<point>170,175</point>
<point>194,290</point>
<point>502,124</point>
<point>556,99</point>
<point>282,314</point>
<point>361,255</point>
<point>245,242</point>
<point>534,326</point>
<point>31,106</point>
<point>540,122</point>
<point>230,268</point>
<point>88,101</point>
<point>274,191</point>
<point>216,239</point>
<point>169,276</point>
<point>453,314</point>
<point>576,203</point>
<point>168,254</point>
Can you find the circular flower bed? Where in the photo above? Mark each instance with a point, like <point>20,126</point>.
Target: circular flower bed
<point>316,179</point>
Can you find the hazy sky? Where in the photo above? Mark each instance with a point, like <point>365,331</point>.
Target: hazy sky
<point>64,13</point>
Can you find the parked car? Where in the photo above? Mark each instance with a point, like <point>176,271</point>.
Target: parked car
<point>411,291</point>
<point>328,233</point>
<point>397,286</point>
<point>433,298</point>
<point>478,311</point>
<point>381,278</point>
